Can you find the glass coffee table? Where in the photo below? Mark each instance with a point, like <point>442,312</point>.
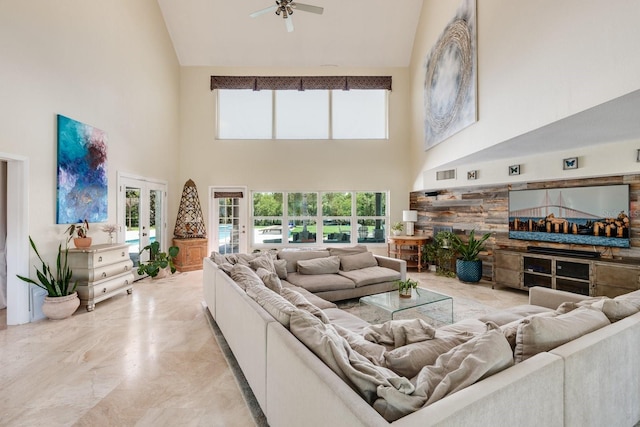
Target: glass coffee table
<point>392,303</point>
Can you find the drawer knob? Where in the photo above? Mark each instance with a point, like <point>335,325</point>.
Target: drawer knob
<point>99,259</point>
<point>122,254</point>
<point>104,274</point>
<point>104,290</point>
<point>126,282</point>
<point>126,268</point>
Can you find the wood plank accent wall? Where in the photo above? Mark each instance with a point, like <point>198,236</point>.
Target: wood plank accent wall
<point>486,209</point>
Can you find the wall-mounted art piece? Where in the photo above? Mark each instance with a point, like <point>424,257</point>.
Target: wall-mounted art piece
<point>450,78</point>
<point>82,172</point>
<point>471,175</point>
<point>514,170</point>
<point>570,163</point>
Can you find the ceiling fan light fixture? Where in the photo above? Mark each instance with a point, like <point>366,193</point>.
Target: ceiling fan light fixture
<point>289,10</point>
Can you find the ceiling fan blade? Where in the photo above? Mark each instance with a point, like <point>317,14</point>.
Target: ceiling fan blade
<point>307,8</point>
<point>289,23</point>
<point>263,11</point>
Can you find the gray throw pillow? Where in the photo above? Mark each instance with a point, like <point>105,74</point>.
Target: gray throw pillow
<point>263,261</point>
<point>245,277</point>
<point>358,261</point>
<point>281,268</point>
<point>329,265</point>
<point>270,279</point>
<point>297,299</point>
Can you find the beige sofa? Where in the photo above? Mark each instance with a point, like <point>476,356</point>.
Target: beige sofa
<point>592,380</point>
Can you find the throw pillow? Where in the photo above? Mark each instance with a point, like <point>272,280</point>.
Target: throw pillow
<point>274,304</point>
<point>281,268</point>
<point>615,309</point>
<point>358,261</point>
<point>218,258</point>
<point>226,267</point>
<point>270,279</point>
<point>245,277</point>
<point>631,297</point>
<point>539,334</point>
<point>372,351</point>
<point>297,299</point>
<point>293,256</point>
<point>352,250</point>
<point>263,261</point>
<point>409,359</point>
<point>329,265</point>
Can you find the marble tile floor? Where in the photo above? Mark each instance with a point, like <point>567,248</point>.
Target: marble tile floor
<point>146,359</point>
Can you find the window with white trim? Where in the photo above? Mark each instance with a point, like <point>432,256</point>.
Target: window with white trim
<point>290,218</point>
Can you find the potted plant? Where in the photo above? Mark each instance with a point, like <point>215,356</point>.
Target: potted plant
<point>396,228</point>
<point>405,286</point>
<point>80,231</point>
<point>444,253</point>
<point>158,261</point>
<point>430,255</point>
<point>62,299</point>
<point>468,264</point>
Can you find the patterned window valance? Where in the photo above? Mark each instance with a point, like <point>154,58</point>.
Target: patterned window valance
<point>300,82</point>
<point>228,195</point>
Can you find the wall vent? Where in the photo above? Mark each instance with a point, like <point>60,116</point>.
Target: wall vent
<point>448,174</point>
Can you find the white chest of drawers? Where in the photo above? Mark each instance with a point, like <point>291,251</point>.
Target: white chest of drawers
<point>102,271</point>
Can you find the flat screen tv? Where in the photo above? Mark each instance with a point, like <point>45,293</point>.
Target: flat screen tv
<point>593,215</point>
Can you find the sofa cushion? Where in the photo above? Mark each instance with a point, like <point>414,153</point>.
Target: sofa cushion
<point>539,334</point>
<point>329,265</point>
<point>292,257</point>
<point>372,351</point>
<point>371,275</point>
<point>408,360</point>
<point>614,309</point>
<point>511,314</point>
<point>357,261</point>
<point>270,279</point>
<point>297,299</point>
<point>346,320</point>
<point>396,333</point>
<point>356,370</point>
<point>320,282</point>
<point>466,364</point>
<point>263,261</point>
<point>245,277</point>
<point>510,330</point>
<point>274,304</point>
<point>245,259</point>
<point>312,298</point>
<point>280,266</point>
<point>631,297</point>
<point>473,326</point>
<point>351,250</point>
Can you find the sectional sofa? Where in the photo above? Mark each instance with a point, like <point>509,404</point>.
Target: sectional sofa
<point>592,380</point>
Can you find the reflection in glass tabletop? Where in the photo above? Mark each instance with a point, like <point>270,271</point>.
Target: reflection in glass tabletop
<point>391,301</point>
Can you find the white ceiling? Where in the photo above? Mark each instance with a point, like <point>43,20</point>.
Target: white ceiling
<point>360,33</point>
<point>352,33</point>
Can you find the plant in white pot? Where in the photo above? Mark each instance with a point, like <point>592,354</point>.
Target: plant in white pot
<point>396,228</point>
<point>62,299</point>
<point>405,287</point>
<point>468,264</point>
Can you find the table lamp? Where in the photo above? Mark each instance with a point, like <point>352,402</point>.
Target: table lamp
<point>409,217</point>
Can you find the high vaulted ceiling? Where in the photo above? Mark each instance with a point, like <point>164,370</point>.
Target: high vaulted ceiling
<point>350,33</point>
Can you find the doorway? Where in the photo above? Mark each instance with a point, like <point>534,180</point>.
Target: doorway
<point>228,219</point>
<point>141,213</point>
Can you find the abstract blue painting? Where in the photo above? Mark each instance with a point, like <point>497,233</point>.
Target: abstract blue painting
<point>82,172</point>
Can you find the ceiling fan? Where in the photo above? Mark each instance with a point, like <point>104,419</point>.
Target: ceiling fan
<point>285,9</point>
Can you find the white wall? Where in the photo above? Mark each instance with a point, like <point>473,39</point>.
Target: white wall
<point>109,64</point>
<point>291,164</point>
<point>538,62</point>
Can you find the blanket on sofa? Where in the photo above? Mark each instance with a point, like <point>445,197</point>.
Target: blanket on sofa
<point>392,395</point>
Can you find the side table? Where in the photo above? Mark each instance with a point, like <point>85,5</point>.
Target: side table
<point>408,248</point>
<point>191,253</point>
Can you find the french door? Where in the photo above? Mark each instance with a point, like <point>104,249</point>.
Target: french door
<point>228,219</point>
<point>142,211</point>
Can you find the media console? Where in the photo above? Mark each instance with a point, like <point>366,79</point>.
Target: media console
<point>566,270</point>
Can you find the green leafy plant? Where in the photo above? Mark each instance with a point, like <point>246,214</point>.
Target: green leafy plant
<point>397,226</point>
<point>80,230</point>
<point>469,250</point>
<point>444,253</point>
<point>58,284</point>
<point>405,286</point>
<point>158,260</point>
